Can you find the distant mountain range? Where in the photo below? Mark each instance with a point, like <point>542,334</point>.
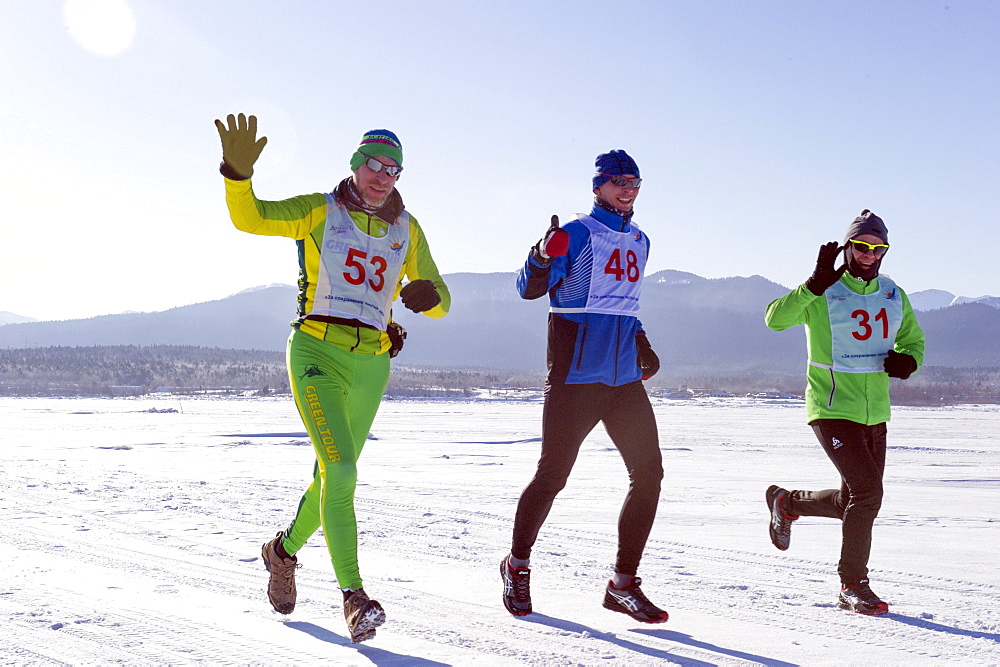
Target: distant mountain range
<point>699,327</point>
<point>7,317</point>
<point>932,299</point>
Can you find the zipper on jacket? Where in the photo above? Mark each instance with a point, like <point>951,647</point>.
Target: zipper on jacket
<point>583,341</point>
<point>618,346</point>
<point>833,388</point>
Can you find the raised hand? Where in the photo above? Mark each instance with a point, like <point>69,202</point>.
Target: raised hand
<point>825,273</point>
<point>240,145</point>
<point>555,243</point>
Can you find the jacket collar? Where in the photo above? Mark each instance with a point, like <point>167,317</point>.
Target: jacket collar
<point>611,217</point>
<point>348,195</point>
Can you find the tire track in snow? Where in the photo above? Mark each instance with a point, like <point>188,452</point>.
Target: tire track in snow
<point>134,636</point>
<point>931,616</point>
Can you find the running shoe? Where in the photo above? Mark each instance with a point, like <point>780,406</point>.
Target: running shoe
<point>281,587</point>
<point>632,601</point>
<point>516,588</point>
<point>781,521</point>
<point>859,598</point>
<point>363,615</point>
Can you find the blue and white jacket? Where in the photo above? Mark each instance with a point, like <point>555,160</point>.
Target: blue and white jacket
<point>584,347</point>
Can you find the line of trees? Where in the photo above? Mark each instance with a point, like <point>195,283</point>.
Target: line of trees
<point>131,370</point>
<point>139,370</point>
<point>134,370</point>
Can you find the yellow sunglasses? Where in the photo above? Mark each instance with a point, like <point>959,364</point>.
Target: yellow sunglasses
<point>878,249</point>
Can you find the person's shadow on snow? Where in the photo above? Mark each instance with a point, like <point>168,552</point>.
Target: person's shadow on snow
<point>378,656</point>
<point>669,635</point>
<point>926,624</point>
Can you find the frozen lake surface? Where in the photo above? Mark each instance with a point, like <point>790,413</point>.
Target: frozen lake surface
<point>133,531</point>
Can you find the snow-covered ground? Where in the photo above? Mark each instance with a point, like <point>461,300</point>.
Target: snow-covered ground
<point>132,533</point>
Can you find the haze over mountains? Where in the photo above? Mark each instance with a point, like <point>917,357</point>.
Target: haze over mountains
<point>699,327</point>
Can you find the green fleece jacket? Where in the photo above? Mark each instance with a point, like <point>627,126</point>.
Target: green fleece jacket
<point>830,394</point>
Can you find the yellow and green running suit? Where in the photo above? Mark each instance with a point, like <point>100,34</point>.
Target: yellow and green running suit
<point>338,373</point>
<point>302,218</point>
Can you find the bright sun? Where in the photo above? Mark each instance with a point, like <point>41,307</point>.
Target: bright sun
<point>101,27</point>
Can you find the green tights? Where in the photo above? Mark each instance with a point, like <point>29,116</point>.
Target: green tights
<point>337,393</point>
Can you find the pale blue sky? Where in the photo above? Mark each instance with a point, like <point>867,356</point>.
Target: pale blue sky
<point>761,130</point>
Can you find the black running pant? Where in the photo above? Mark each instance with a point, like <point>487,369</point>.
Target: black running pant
<point>570,413</point>
<point>858,452</point>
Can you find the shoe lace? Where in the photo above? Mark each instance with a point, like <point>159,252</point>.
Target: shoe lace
<point>521,582</point>
<point>285,568</point>
<point>636,592</point>
<point>782,522</point>
<point>865,593</point>
<point>786,518</point>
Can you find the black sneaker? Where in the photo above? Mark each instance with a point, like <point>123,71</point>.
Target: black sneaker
<point>632,601</point>
<point>363,615</point>
<point>516,588</point>
<point>859,598</point>
<point>781,522</point>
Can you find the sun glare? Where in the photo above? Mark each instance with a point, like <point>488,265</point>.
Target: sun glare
<point>100,27</point>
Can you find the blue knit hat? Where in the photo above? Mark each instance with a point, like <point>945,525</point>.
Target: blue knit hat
<point>375,143</point>
<point>615,162</point>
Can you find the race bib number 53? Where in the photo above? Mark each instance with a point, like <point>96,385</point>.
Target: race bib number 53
<point>358,262</point>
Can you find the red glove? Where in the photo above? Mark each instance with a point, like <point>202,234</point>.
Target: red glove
<point>555,243</point>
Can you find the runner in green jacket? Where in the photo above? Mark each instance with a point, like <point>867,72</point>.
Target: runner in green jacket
<point>860,331</point>
<point>355,245</point>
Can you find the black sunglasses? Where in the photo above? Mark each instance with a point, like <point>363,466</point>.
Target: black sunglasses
<point>377,166</point>
<point>621,181</point>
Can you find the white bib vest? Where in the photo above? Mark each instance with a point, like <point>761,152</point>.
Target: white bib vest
<point>358,273</point>
<point>617,266</point>
<point>863,327</point>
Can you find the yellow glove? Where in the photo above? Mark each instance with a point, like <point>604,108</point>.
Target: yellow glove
<point>240,145</point>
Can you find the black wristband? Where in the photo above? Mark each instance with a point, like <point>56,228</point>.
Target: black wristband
<point>230,173</point>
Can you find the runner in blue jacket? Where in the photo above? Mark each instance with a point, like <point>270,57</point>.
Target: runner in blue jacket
<point>598,356</point>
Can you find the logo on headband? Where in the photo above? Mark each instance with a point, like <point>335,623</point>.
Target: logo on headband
<point>380,139</point>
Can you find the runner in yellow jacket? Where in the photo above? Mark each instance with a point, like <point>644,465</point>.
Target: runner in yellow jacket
<point>355,245</point>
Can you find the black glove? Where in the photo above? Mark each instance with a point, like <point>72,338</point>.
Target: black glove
<point>825,274</point>
<point>555,243</point>
<point>648,362</point>
<point>397,334</point>
<point>420,295</point>
<point>899,365</point>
